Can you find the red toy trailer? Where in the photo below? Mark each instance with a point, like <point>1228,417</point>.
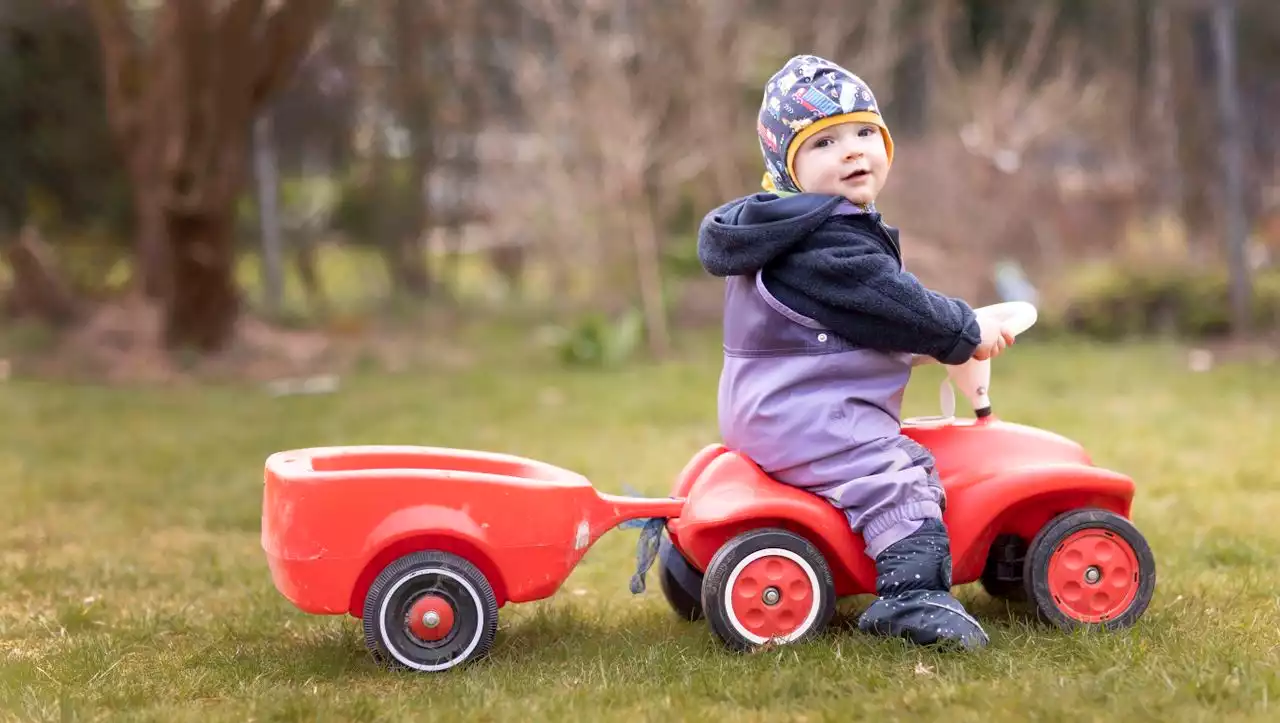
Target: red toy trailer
<point>425,544</point>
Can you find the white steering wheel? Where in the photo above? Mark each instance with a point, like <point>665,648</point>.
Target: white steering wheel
<point>1016,316</point>
<point>973,377</point>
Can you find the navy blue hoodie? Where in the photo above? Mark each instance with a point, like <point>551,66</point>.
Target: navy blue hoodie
<point>831,262</point>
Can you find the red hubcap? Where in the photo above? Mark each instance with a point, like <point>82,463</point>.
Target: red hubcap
<point>1093,575</point>
<point>772,597</point>
<point>430,618</point>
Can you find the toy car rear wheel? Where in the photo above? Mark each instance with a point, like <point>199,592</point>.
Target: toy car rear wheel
<point>1092,569</point>
<point>681,582</point>
<point>767,587</point>
<point>430,611</point>
<point>1002,576</point>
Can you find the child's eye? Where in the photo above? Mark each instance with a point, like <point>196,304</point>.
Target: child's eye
<point>822,142</point>
<point>867,132</point>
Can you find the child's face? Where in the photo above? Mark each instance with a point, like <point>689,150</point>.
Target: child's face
<point>848,159</point>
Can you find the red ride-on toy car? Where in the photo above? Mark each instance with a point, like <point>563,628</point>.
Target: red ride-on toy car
<point>424,544</point>
<point>1028,514</point>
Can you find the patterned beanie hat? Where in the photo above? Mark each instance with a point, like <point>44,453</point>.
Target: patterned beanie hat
<point>805,96</point>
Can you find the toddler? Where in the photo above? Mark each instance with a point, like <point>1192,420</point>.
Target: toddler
<point>820,323</point>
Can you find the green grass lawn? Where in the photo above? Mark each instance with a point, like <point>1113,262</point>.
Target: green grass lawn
<point>135,587</point>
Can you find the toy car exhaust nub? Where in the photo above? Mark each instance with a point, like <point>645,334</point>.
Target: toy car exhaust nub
<point>425,544</point>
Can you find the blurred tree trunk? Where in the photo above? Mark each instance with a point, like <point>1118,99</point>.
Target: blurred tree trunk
<point>38,287</point>
<point>151,274</point>
<point>267,179</point>
<point>412,95</point>
<point>181,107</point>
<point>913,75</point>
<point>1231,138</point>
<point>391,81</point>
<point>1163,116</point>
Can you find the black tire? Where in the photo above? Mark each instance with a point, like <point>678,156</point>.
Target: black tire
<point>681,582</point>
<point>810,579</point>
<point>1002,576</point>
<point>1132,577</point>
<point>440,581</point>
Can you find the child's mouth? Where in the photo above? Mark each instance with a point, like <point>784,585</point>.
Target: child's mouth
<point>856,174</point>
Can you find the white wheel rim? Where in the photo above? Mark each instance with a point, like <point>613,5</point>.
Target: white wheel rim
<point>386,637</point>
<point>803,627</point>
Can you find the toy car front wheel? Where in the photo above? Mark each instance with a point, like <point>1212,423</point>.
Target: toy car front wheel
<point>766,587</point>
<point>430,611</point>
<point>681,582</point>
<point>1090,569</point>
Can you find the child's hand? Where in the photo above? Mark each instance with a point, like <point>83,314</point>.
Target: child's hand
<point>994,339</point>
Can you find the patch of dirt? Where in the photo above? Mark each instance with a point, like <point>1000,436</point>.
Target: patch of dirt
<point>121,342</point>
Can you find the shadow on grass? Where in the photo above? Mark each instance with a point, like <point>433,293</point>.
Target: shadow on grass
<point>990,612</point>
<point>548,636</point>
<point>559,636</point>
<point>326,650</point>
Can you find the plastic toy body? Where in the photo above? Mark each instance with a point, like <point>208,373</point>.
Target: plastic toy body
<point>424,544</point>
<point>999,477</point>
<point>1003,481</point>
<point>335,519</point>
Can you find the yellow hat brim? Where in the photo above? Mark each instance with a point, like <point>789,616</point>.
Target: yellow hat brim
<point>864,116</point>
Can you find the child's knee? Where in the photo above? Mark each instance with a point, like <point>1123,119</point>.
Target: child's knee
<point>919,456</point>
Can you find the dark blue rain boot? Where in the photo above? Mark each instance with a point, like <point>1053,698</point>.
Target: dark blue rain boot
<point>914,583</point>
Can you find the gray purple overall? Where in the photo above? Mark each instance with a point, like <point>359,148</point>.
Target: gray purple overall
<point>820,322</point>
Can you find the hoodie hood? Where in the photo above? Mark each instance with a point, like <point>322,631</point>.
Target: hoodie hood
<point>742,236</point>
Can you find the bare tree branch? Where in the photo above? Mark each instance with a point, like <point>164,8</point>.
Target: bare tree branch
<point>238,22</point>
<point>1033,53</point>
<point>285,40</point>
<point>185,154</point>
<point>121,66</point>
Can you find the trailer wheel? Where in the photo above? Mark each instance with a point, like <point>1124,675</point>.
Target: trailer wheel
<point>429,612</point>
